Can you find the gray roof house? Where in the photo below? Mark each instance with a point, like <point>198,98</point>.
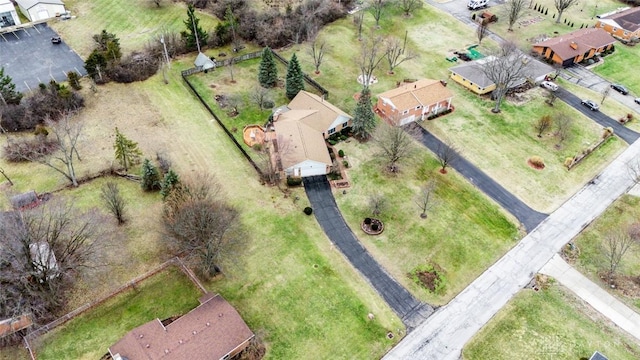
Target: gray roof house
<point>36,10</point>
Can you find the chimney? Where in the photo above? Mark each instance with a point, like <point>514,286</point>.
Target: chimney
<point>573,45</point>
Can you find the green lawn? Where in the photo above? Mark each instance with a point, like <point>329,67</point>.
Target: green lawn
<point>616,68</point>
<point>548,324</point>
<point>590,242</point>
<point>89,335</point>
<point>463,234</point>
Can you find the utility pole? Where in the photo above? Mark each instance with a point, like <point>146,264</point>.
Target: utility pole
<point>195,31</point>
<point>166,58</point>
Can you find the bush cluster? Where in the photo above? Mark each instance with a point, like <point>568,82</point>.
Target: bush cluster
<point>308,210</point>
<point>294,181</point>
<point>28,148</point>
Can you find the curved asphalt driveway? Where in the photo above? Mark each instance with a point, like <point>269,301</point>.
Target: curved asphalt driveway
<point>526,215</point>
<point>620,130</point>
<point>409,309</point>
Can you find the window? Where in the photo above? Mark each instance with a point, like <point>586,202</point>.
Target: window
<point>405,112</point>
<point>331,131</point>
<point>615,29</point>
<point>418,107</point>
<point>345,124</point>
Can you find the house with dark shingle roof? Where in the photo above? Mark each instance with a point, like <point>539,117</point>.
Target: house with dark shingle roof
<point>212,331</point>
<point>575,46</point>
<point>624,24</point>
<point>598,356</point>
<point>414,101</point>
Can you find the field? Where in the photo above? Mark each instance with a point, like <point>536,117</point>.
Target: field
<point>89,336</point>
<point>549,324</point>
<point>620,59</point>
<point>463,234</point>
<point>591,260</point>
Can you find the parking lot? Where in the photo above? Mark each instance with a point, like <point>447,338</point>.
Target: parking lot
<point>30,58</point>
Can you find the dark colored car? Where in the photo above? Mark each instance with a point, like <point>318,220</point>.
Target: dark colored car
<point>590,104</point>
<point>56,40</point>
<point>619,88</point>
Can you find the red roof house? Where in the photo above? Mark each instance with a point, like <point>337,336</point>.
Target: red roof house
<point>414,101</point>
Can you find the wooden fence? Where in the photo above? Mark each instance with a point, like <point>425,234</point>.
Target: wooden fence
<point>91,305</point>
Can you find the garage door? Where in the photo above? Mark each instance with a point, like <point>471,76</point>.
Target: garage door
<point>43,14</point>
<point>408,120</point>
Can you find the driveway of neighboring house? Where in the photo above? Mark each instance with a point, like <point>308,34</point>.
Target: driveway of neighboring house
<point>526,215</point>
<point>584,77</point>
<point>409,309</point>
<point>620,130</point>
<point>30,58</point>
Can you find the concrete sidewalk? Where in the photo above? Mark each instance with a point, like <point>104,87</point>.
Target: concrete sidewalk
<point>593,294</point>
<point>443,335</point>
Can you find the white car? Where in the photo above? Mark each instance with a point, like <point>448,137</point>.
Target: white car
<point>549,85</point>
<point>477,4</point>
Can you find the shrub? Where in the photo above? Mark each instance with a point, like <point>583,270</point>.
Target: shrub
<point>437,285</point>
<point>332,142</point>
<point>41,130</point>
<point>257,147</point>
<point>308,210</point>
<point>375,227</point>
<point>537,161</point>
<point>23,149</point>
<point>294,181</point>
<point>608,131</point>
<point>136,67</point>
<point>74,80</point>
<point>345,163</point>
<point>568,162</point>
<point>343,137</point>
<point>341,153</point>
<point>268,104</point>
<point>367,221</point>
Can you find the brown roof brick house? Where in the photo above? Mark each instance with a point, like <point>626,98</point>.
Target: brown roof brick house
<point>623,25</point>
<point>300,132</point>
<point>213,331</point>
<point>575,46</point>
<point>414,101</point>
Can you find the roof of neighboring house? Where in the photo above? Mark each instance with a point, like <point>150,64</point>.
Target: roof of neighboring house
<point>329,116</point>
<point>210,331</point>
<point>577,42</point>
<point>598,356</point>
<point>297,140</point>
<point>28,4</point>
<point>204,61</point>
<point>26,200</point>
<point>4,2</point>
<point>472,71</point>
<point>44,259</point>
<point>628,19</point>
<point>423,92</point>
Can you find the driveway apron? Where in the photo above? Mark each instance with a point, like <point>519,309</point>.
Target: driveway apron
<point>526,215</point>
<point>409,309</point>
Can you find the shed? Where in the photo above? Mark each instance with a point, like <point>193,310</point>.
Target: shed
<point>598,356</point>
<point>25,201</point>
<point>204,62</point>
<point>36,10</point>
<point>8,14</point>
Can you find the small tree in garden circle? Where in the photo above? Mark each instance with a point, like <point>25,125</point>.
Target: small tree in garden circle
<point>268,72</point>
<point>150,176</point>
<point>294,81</point>
<point>364,120</point>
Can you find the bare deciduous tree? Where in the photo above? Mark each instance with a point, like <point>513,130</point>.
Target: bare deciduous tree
<point>563,125</point>
<point>543,124</point>
<point>64,135</point>
<point>113,200</point>
<point>200,224</point>
<point>426,198</point>
<point>447,154</point>
<point>396,52</point>
<point>482,30</point>
<point>359,20</point>
<point>375,8</point>
<point>514,11</point>
<point>259,95</point>
<point>505,68</point>
<point>4,174</point>
<point>407,6</point>
<point>633,169</point>
<point>605,93</point>
<point>377,203</point>
<point>562,5</point>
<point>371,54</point>
<point>615,246</point>
<point>317,52</point>
<point>394,144</point>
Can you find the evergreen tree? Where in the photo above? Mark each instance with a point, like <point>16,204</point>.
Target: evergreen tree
<point>96,64</point>
<point>364,120</point>
<point>108,45</point>
<point>127,152</point>
<point>268,72</point>
<point>169,181</point>
<point>295,81</point>
<point>8,93</point>
<point>150,176</point>
<point>192,41</point>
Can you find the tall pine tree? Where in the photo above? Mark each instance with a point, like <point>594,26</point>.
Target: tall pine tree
<point>268,72</point>
<point>364,120</point>
<point>150,176</point>
<point>192,23</point>
<point>295,81</point>
<point>8,93</point>
<point>127,152</point>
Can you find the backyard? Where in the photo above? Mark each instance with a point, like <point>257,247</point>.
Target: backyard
<point>549,324</point>
<point>621,59</point>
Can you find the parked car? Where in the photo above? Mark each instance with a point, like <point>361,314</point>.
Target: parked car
<point>591,105</point>
<point>619,88</point>
<point>637,100</point>
<point>549,85</point>
<point>477,4</point>
<point>56,40</point>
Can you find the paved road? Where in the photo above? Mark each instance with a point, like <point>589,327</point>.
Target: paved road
<point>526,215</point>
<point>620,130</point>
<point>409,309</point>
<point>443,335</point>
<point>594,295</point>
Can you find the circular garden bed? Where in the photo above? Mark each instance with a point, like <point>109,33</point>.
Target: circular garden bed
<point>372,226</point>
